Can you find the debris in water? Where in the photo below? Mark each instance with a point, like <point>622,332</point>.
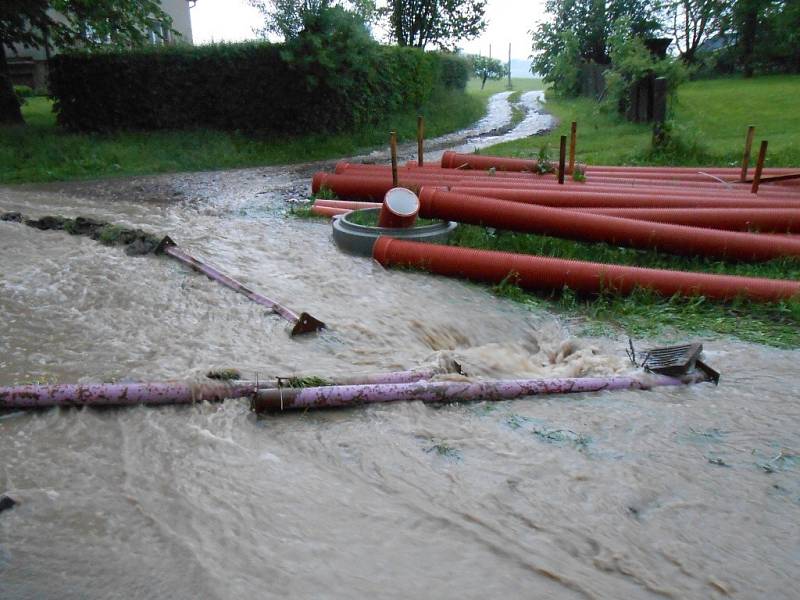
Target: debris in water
<point>137,242</point>
<point>7,503</point>
<point>224,374</point>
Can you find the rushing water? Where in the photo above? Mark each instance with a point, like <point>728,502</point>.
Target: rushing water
<point>681,493</point>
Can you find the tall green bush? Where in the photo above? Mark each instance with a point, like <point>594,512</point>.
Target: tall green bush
<point>630,62</point>
<point>331,77</point>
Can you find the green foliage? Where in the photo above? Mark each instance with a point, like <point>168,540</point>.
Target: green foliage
<point>454,70</point>
<point>587,24</point>
<point>23,91</point>
<point>41,151</point>
<point>767,34</point>
<point>287,17</point>
<point>331,77</point>
<point>565,73</point>
<point>443,23</point>
<point>632,61</point>
<point>485,68</point>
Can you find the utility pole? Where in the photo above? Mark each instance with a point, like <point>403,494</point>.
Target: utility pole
<point>509,65</point>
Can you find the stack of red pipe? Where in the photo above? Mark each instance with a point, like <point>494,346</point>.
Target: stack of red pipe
<point>680,210</point>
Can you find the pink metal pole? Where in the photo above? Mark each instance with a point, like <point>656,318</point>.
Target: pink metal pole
<point>128,394</point>
<point>303,322</point>
<point>119,394</point>
<point>446,391</point>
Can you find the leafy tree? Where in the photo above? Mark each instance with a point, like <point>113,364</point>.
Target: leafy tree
<point>285,17</point>
<point>443,23</point>
<point>767,34</point>
<point>585,26</point>
<point>488,68</point>
<point>630,61</point>
<point>84,23</point>
<point>691,21</point>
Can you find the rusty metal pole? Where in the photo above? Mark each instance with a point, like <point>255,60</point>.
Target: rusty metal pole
<point>301,323</point>
<point>393,150</point>
<point>573,138</point>
<point>762,155</point>
<point>748,144</point>
<point>562,159</point>
<point>420,140</point>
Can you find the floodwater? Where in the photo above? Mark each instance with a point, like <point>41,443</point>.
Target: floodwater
<point>677,493</point>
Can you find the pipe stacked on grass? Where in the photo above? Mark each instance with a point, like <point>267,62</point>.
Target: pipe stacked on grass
<point>553,274</point>
<point>531,218</point>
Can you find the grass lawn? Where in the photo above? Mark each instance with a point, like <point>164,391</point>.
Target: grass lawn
<point>39,151</point>
<point>710,118</point>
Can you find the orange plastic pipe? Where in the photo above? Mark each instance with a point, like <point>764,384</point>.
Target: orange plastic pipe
<point>452,160</point>
<point>528,180</point>
<point>676,239</point>
<point>781,220</point>
<point>542,273</point>
<point>343,168</point>
<point>635,186</point>
<point>368,188</point>
<point>327,211</point>
<point>348,204</point>
<point>599,199</point>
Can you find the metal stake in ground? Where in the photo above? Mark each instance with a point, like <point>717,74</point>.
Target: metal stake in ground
<point>562,159</point>
<point>762,155</point>
<point>393,150</point>
<point>302,323</point>
<point>748,144</point>
<point>573,138</point>
<point>420,139</point>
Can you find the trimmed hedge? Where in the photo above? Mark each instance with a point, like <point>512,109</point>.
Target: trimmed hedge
<point>268,88</point>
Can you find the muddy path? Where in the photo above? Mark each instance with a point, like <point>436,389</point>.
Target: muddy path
<point>292,182</point>
<point>672,493</point>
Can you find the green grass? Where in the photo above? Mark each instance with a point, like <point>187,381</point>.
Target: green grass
<point>494,86</point>
<point>709,120</point>
<point>39,151</point>
<point>645,313</point>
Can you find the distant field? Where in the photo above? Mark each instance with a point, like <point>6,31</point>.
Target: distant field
<point>710,118</point>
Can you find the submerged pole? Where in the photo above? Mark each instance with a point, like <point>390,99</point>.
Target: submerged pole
<point>302,323</point>
<point>448,391</point>
<point>130,394</point>
<point>120,394</point>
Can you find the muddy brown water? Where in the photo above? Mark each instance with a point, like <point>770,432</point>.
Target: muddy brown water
<point>677,493</point>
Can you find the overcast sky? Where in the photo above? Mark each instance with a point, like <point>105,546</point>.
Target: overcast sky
<point>509,21</point>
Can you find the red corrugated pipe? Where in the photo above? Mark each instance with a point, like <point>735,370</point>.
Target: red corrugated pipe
<point>781,220</point>
<point>399,209</point>
<point>676,239</point>
<point>454,160</point>
<point>542,273</point>
<point>327,211</point>
<point>348,204</point>
<point>593,199</point>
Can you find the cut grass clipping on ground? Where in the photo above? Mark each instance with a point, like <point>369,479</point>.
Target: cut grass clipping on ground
<point>645,313</point>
